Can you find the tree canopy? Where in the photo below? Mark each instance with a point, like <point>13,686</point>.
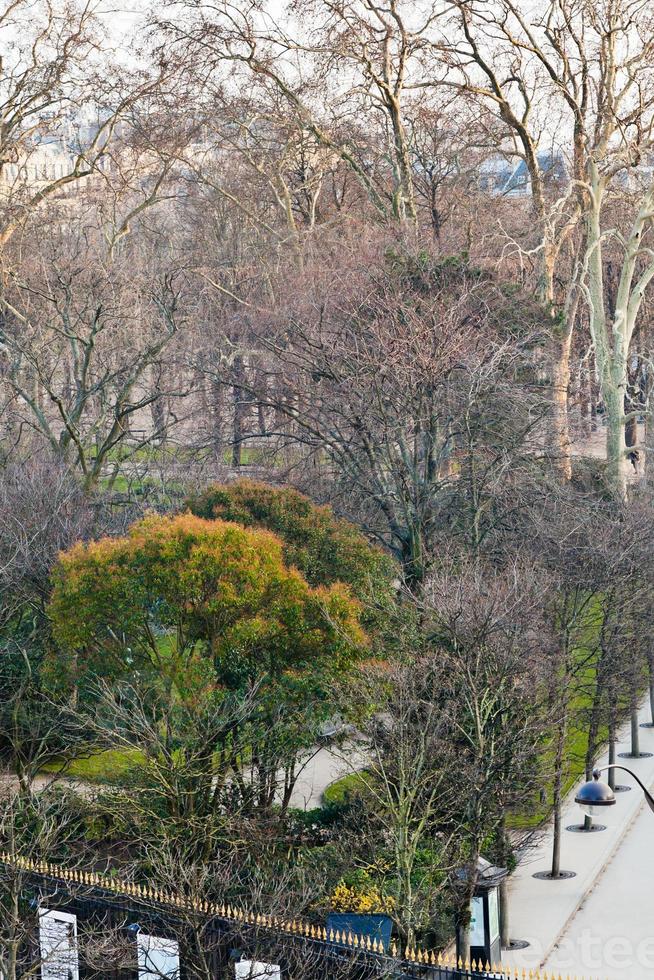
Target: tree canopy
<point>325,548</point>
<point>201,600</point>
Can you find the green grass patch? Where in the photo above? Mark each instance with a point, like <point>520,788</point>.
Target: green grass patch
<point>576,744</point>
<point>249,456</point>
<point>337,792</point>
<point>110,766</point>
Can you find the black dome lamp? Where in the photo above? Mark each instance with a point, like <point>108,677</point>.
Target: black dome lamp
<point>595,796</point>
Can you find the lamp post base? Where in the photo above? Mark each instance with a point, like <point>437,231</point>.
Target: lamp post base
<point>578,828</point>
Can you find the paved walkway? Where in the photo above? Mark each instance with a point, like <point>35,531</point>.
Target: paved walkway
<point>613,932</point>
<point>601,922</point>
<point>326,766</point>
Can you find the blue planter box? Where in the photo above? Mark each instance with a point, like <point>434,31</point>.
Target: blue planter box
<point>377,927</point>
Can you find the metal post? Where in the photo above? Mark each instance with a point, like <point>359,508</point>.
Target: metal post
<point>611,765</point>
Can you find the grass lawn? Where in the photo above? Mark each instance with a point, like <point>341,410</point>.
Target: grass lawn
<point>337,791</point>
<point>580,707</point>
<point>105,767</point>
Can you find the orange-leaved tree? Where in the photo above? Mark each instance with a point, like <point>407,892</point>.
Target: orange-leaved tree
<point>324,547</point>
<point>207,611</point>
<point>182,590</point>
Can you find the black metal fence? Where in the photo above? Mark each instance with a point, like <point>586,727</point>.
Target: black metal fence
<point>209,944</point>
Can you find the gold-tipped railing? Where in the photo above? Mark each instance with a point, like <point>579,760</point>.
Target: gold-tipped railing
<point>290,927</point>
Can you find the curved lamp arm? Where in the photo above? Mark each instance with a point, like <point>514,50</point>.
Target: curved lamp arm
<point>648,795</point>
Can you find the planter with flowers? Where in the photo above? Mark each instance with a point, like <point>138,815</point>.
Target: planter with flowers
<point>359,908</point>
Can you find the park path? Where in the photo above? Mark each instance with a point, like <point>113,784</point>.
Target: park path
<point>601,922</point>
<point>324,767</point>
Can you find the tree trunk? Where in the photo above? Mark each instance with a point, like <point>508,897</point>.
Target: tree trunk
<point>593,406</point>
<point>593,730</point>
<point>610,349</point>
<point>613,335</point>
<point>584,407</point>
<point>463,940</point>
<point>631,427</point>
<point>404,197</point>
<point>631,432</point>
<point>239,409</point>
<point>616,457</point>
<point>647,429</point>
<point>556,840</point>
<point>561,386</point>
<point>504,855</point>
<point>601,692</point>
<point>216,412</point>
<point>612,750</point>
<point>556,798</point>
<point>158,413</point>
<point>262,388</point>
<point>505,915</point>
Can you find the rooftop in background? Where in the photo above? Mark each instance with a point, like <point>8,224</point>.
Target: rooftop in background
<point>500,175</point>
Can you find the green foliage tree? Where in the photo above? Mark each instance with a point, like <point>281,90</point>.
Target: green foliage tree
<point>323,547</point>
<point>205,602</point>
<point>209,611</point>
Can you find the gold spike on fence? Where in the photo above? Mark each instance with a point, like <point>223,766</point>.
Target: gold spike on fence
<point>296,927</point>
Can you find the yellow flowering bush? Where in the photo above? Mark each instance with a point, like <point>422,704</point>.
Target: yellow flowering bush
<point>367,900</point>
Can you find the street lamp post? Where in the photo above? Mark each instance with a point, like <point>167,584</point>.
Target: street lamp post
<point>594,796</point>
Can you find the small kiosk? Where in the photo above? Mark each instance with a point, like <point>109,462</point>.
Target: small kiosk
<point>485,944</point>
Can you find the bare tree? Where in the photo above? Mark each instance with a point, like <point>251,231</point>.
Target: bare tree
<point>487,627</point>
<point>403,788</point>
<point>377,47</point>
<point>402,381</point>
<point>55,59</point>
<point>42,510</point>
<point>79,338</point>
<point>589,67</point>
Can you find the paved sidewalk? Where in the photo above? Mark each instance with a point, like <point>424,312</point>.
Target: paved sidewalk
<point>613,932</point>
<point>326,766</point>
<point>323,768</point>
<point>549,914</point>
